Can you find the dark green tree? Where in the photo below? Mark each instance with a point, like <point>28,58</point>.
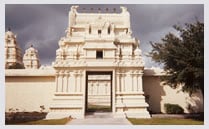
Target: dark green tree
<point>15,66</point>
<point>182,56</point>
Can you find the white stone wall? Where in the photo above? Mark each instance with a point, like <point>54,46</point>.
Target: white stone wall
<point>27,91</point>
<point>157,94</point>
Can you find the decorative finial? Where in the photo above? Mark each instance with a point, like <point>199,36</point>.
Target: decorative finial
<point>74,8</point>
<point>9,29</point>
<point>114,9</point>
<point>107,9</point>
<point>124,9</point>
<point>92,9</point>
<point>31,45</point>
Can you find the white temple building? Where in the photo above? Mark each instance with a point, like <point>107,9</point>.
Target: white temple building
<point>13,53</point>
<point>31,59</point>
<point>98,53</point>
<point>98,62</point>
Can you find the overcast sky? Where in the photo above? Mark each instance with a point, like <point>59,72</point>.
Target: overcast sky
<point>44,25</point>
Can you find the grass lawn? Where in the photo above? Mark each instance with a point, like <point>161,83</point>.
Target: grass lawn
<point>165,121</point>
<point>46,122</point>
<point>93,108</point>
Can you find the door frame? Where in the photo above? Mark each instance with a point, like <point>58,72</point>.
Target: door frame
<point>111,86</point>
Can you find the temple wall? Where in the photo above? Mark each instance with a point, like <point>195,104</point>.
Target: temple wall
<point>157,94</point>
<point>27,91</point>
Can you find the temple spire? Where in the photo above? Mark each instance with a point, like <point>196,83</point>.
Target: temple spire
<point>9,29</point>
<point>31,58</point>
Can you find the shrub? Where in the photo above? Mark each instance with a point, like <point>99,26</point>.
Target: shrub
<point>173,109</point>
<point>15,66</point>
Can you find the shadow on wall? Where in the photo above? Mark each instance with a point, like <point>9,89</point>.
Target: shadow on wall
<point>153,91</point>
<point>157,94</point>
<point>194,103</point>
<point>29,79</point>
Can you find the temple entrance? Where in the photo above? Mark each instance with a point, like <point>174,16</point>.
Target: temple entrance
<point>98,92</point>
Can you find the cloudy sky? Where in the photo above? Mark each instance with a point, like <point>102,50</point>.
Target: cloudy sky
<point>44,25</point>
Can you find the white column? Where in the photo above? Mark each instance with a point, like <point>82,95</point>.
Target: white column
<point>137,80</point>
<point>129,83</point>
<point>132,82</point>
<point>84,85</point>
<point>75,84</point>
<point>117,82</point>
<point>70,82</point>
<point>78,83</point>
<point>113,88</point>
<point>140,82</point>
<point>60,76</point>
<point>124,82</point>
<point>67,87</point>
<point>97,85</point>
<point>64,85</point>
<point>121,81</point>
<point>57,81</point>
<point>62,89</point>
<point>81,82</point>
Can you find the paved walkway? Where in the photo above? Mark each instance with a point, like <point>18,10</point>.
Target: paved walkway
<point>99,119</point>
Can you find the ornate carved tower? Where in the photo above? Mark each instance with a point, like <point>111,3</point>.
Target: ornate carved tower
<point>98,51</point>
<point>31,59</point>
<point>13,56</point>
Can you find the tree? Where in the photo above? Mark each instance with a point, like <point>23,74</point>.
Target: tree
<point>182,56</point>
<point>15,66</point>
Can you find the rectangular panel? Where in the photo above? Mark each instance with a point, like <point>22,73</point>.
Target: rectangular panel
<point>99,77</point>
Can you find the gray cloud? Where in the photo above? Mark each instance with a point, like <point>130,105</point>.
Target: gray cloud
<point>44,25</point>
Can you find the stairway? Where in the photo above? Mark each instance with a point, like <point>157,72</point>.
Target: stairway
<point>99,115</point>
<point>100,118</point>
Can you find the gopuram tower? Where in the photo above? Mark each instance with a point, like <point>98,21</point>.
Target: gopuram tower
<point>31,58</point>
<point>98,62</point>
<point>13,55</point>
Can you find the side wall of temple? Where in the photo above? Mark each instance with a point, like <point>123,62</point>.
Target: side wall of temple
<point>157,94</point>
<point>27,91</point>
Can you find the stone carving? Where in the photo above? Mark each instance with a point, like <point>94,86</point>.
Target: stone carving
<point>31,58</point>
<point>74,9</point>
<point>124,9</point>
<point>13,55</point>
<point>107,36</point>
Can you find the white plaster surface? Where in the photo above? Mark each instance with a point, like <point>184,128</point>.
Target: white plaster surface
<point>95,43</point>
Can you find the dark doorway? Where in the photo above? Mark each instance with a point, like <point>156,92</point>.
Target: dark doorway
<point>98,91</point>
<point>99,54</point>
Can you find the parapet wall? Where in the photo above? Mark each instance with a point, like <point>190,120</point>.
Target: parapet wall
<point>119,19</point>
<point>27,90</point>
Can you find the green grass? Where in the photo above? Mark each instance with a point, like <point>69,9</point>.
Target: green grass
<point>165,121</point>
<point>46,122</point>
<point>93,108</point>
